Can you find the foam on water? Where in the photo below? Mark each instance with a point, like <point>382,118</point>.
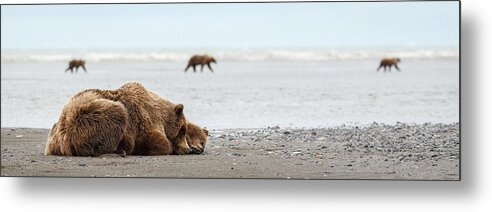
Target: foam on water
<point>314,54</point>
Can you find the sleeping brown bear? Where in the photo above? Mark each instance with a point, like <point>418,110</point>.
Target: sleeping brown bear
<point>389,62</point>
<point>200,60</point>
<point>127,120</point>
<point>76,64</point>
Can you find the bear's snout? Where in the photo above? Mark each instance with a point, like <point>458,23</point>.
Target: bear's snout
<point>196,150</point>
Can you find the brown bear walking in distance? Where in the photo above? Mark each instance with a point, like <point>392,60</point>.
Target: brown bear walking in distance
<point>76,64</point>
<point>389,62</point>
<point>127,120</point>
<point>200,60</point>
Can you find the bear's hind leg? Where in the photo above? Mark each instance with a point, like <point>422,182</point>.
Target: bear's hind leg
<point>126,146</point>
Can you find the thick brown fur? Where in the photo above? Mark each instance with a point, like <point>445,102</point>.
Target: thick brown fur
<point>200,60</point>
<point>196,137</point>
<point>127,120</point>
<point>76,64</point>
<point>388,62</point>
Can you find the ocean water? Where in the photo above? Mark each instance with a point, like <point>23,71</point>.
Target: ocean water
<point>265,88</point>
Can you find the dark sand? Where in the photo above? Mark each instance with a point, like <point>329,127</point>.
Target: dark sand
<point>377,151</point>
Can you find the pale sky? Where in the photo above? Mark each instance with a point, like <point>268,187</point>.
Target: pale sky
<point>327,24</point>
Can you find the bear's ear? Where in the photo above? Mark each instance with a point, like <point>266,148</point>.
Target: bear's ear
<point>179,109</point>
<point>205,131</point>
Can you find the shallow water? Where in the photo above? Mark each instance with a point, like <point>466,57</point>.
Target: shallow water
<point>249,94</point>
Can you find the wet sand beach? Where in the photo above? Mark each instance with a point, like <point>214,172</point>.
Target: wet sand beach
<point>244,94</point>
<point>375,151</point>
